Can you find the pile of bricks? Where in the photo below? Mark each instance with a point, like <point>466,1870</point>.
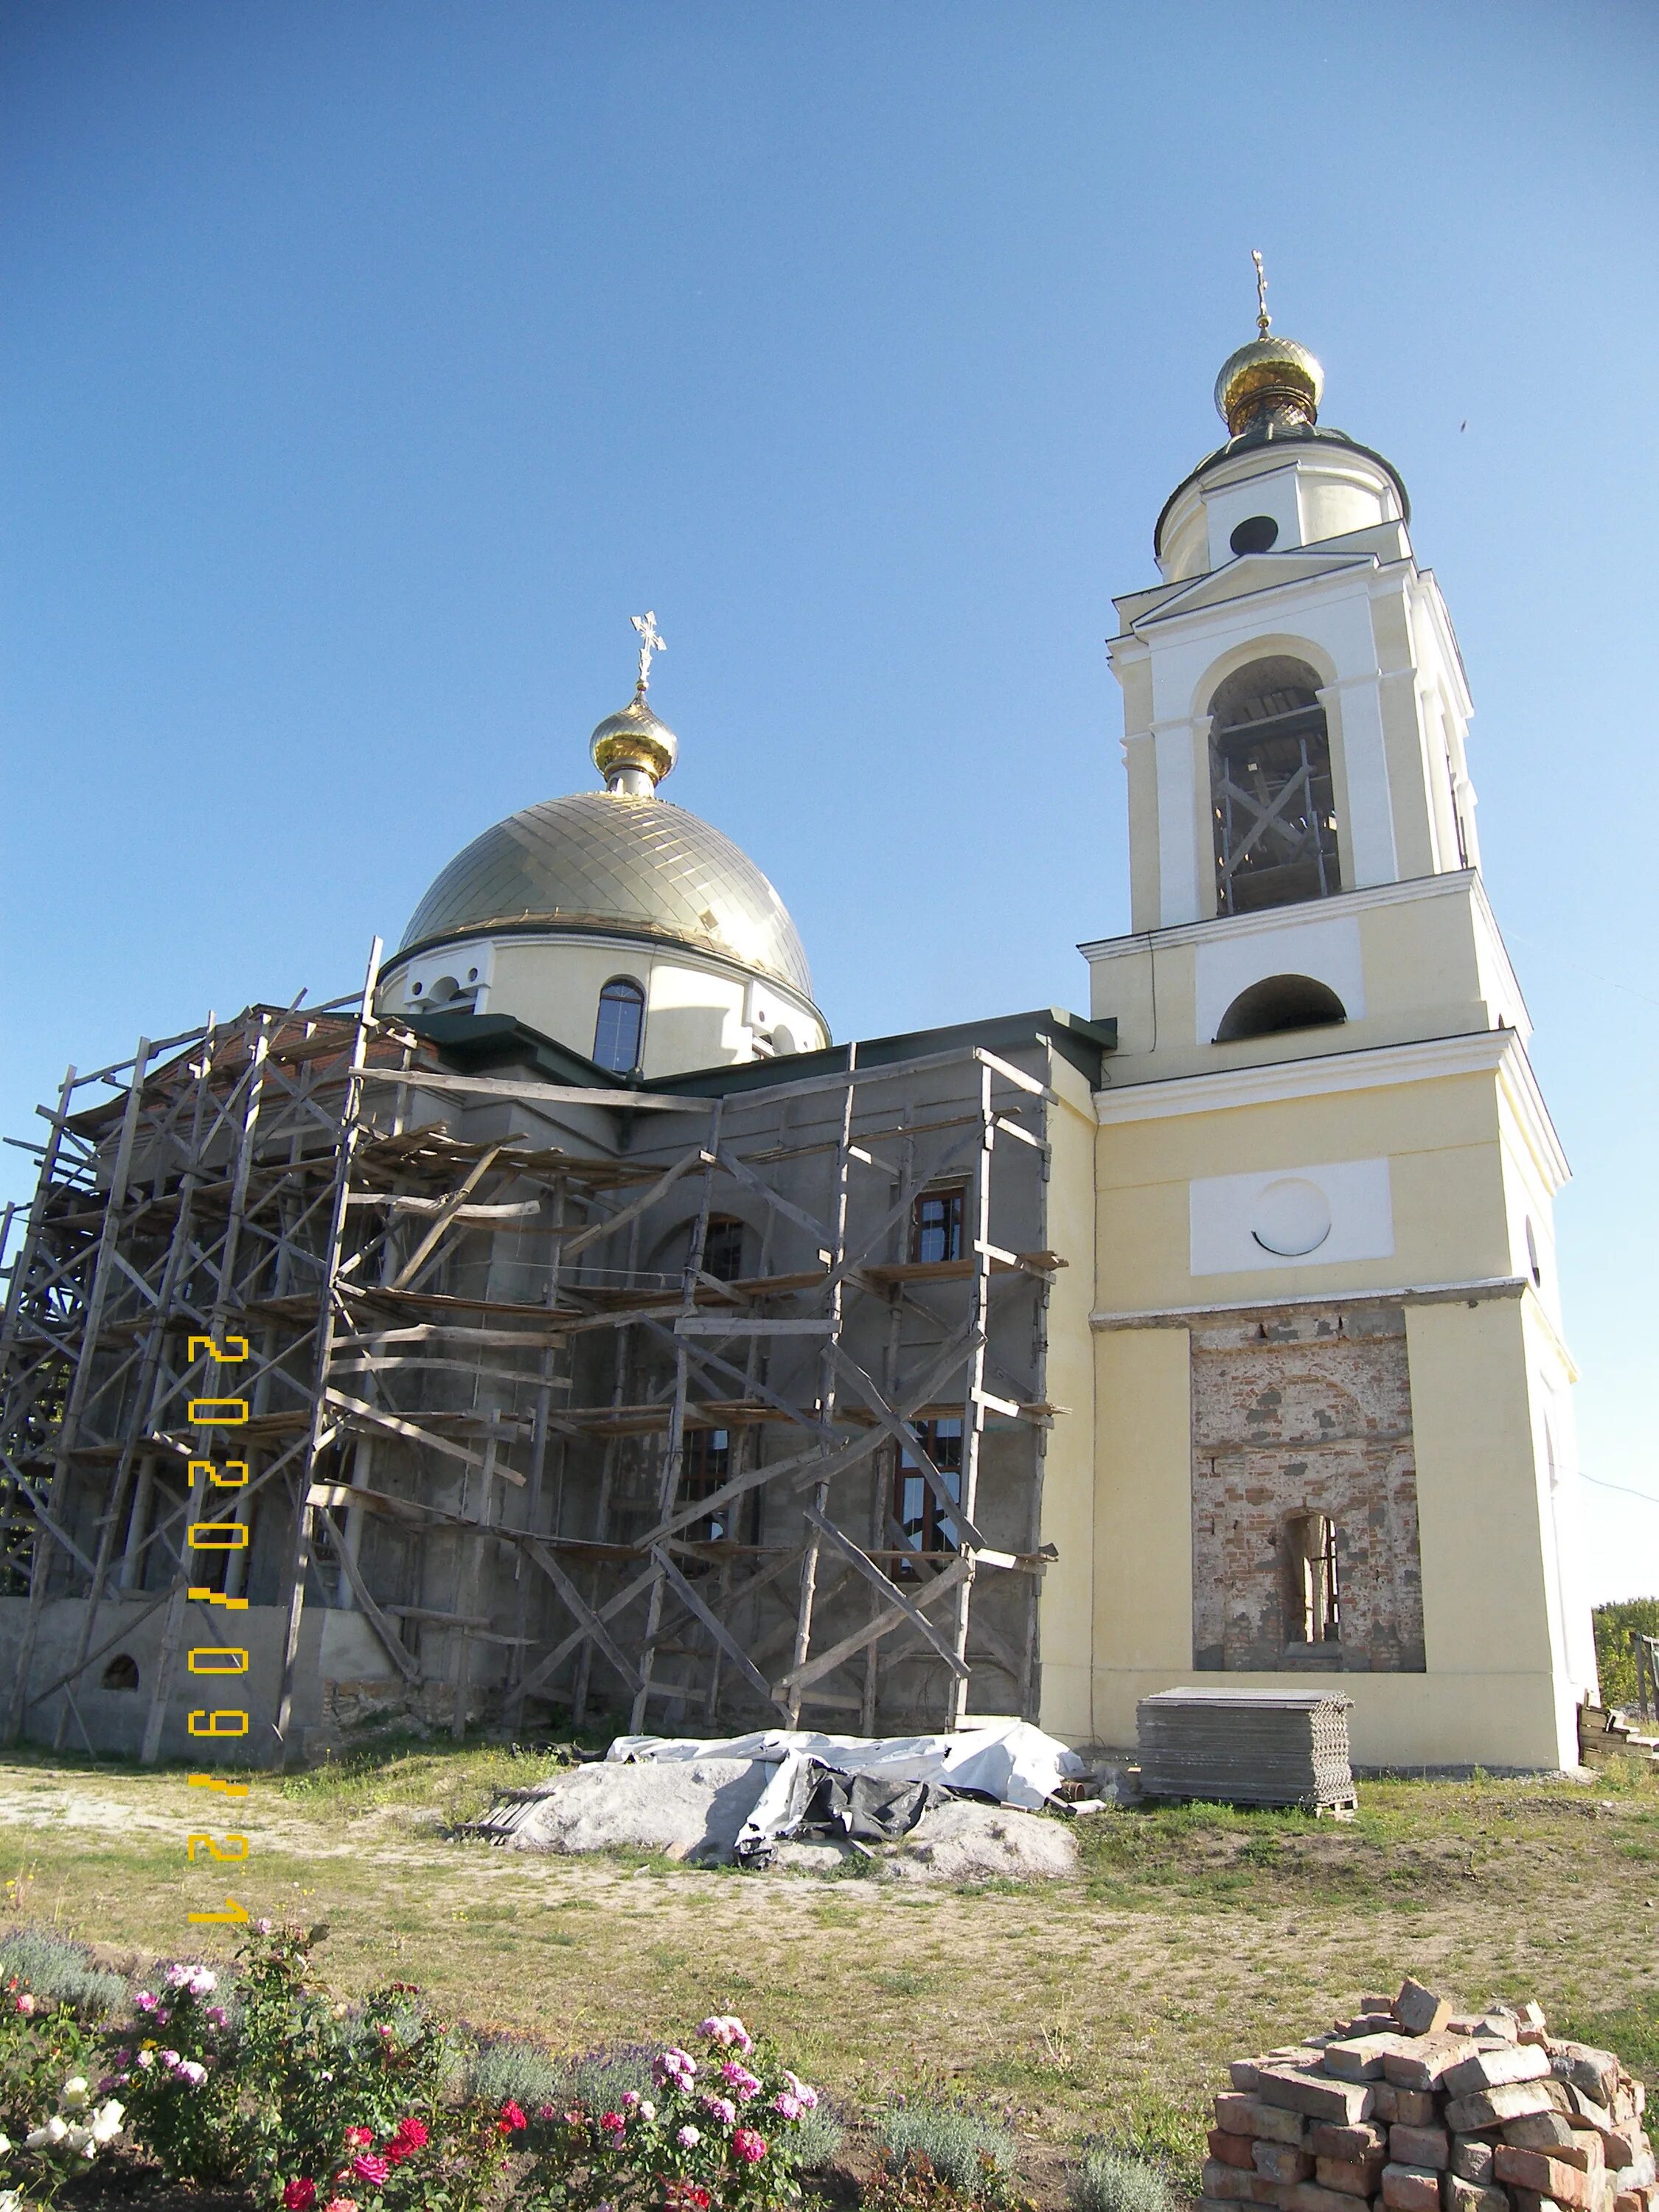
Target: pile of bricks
<point>1410,2108</point>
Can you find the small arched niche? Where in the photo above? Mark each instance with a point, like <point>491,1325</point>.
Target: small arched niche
<point>1278,1003</point>
<point>1270,788</point>
<point>121,1674</point>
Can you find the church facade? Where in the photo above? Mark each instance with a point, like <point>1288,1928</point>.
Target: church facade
<point>615,1342</point>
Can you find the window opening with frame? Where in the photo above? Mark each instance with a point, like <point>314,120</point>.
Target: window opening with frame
<point>620,1027</point>
<point>1316,1581</point>
<point>706,1466</point>
<point>1271,789</point>
<point>722,1249</point>
<point>936,1227</point>
<point>924,1523</point>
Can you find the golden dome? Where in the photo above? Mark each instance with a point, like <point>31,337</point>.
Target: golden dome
<point>613,863</point>
<point>1270,376</point>
<point>633,751</point>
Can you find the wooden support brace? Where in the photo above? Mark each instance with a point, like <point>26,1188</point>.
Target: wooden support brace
<point>882,1625</point>
<point>722,1636</point>
<point>867,1566</point>
<point>395,1649</point>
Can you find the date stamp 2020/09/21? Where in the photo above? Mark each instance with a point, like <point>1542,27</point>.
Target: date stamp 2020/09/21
<point>211,1662</point>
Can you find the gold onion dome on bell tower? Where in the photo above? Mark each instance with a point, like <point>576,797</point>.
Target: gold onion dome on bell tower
<point>1272,381</point>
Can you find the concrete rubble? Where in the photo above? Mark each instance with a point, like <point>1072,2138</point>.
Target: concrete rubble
<point>1409,2106</point>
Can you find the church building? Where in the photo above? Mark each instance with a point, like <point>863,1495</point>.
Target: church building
<point>615,1344</point>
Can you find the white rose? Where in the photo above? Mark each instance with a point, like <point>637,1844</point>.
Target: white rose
<point>47,2137</point>
<point>647,2110</point>
<point>75,2093</point>
<point>80,2138</point>
<point>106,2122</point>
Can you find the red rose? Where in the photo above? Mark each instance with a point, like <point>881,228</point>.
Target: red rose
<point>359,2138</point>
<point>511,2119</point>
<point>412,2134</point>
<point>300,2196</point>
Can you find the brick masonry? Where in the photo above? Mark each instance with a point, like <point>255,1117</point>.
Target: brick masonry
<point>1300,1411</point>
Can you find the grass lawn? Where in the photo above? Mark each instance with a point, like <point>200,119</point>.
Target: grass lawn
<point>1109,2001</point>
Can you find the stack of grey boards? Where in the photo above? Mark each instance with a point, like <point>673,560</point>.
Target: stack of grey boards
<point>1247,1746</point>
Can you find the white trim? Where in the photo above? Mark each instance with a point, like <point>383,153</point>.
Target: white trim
<point>1294,589</point>
<point>1408,1294</point>
<point>1289,917</point>
<point>1475,1053</point>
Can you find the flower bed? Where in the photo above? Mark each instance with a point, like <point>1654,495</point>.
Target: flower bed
<point>308,2102</point>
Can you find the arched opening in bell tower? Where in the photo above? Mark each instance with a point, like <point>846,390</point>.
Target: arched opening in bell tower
<point>1271,791</point>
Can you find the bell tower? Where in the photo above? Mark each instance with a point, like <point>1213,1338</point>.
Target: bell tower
<point>1295,714</point>
<point>1332,1391</point>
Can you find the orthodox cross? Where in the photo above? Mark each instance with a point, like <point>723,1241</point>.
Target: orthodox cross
<point>650,641</point>
<point>1263,320</point>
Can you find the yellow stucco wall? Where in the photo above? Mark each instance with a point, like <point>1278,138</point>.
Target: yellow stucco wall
<point>1495,1690</point>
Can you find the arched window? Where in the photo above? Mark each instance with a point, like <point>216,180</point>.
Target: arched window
<point>1270,787</point>
<point>1279,1002</point>
<point>622,1020</point>
<point>722,1248</point>
<point>121,1674</point>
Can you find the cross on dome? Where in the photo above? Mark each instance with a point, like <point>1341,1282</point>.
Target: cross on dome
<point>651,641</point>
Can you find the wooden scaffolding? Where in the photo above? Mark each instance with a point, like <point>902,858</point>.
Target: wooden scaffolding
<point>583,1399</point>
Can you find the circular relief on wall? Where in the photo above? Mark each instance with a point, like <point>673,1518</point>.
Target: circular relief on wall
<point>1292,1217</point>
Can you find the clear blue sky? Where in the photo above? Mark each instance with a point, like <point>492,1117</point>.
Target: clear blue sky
<point>367,362</point>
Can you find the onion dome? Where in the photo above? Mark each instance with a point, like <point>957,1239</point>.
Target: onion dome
<point>1271,377</point>
<point>633,751</point>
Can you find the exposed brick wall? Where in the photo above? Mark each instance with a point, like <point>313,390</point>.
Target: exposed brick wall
<point>1297,1411</point>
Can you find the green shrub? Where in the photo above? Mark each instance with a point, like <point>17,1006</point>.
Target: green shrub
<point>61,1973</point>
<point>1108,2180</point>
<point>955,2140</point>
<point>1615,1663</point>
<point>817,2138</point>
<point>601,2079</point>
<point>508,2067</point>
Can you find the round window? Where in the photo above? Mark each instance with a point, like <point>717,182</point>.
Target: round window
<point>1292,1217</point>
<point>1257,533</point>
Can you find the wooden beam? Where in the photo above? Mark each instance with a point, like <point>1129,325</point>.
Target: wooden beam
<point>882,1625</point>
<point>865,1565</point>
<point>396,1651</point>
<point>727,1643</point>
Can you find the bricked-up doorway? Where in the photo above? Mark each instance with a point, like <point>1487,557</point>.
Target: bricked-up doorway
<point>1304,1494</point>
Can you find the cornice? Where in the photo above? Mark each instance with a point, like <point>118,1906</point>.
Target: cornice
<point>1215,927</point>
<point>1476,1052</point>
<point>1401,1294</point>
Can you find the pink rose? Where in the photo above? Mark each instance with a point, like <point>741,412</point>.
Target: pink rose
<point>368,2167</point>
<point>790,2107</point>
<point>749,2147</point>
<point>722,2108</point>
<point>613,2124</point>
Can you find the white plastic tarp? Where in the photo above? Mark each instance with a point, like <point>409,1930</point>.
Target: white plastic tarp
<point>1009,1760</point>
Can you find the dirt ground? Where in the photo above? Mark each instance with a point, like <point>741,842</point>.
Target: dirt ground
<point>1108,2002</point>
